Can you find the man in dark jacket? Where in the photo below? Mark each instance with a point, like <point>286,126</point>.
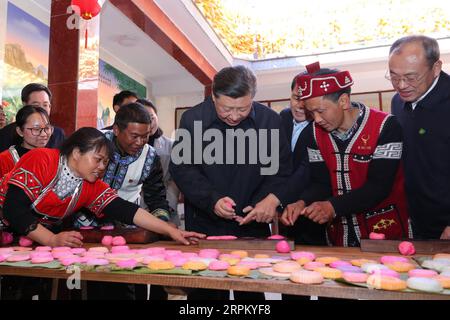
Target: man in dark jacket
<point>38,95</point>
<point>230,159</point>
<point>422,107</point>
<point>295,119</point>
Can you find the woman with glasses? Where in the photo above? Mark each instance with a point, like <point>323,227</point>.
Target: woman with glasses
<point>33,130</point>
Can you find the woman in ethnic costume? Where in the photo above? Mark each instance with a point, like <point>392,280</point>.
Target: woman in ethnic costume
<point>33,130</point>
<point>48,185</point>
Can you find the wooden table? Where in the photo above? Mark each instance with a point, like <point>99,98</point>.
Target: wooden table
<point>329,289</point>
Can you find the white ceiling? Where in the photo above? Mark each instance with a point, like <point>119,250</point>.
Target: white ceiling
<point>132,46</point>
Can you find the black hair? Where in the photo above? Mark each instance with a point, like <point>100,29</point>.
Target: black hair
<point>293,83</point>
<point>147,103</point>
<point>34,87</point>
<point>430,47</point>
<point>235,82</point>
<point>122,95</point>
<point>22,116</point>
<point>132,112</point>
<point>334,97</point>
<point>87,139</point>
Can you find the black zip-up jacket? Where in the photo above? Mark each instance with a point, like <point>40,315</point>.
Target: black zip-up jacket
<point>204,184</point>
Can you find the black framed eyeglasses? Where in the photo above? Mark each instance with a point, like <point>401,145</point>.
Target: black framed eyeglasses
<point>38,131</point>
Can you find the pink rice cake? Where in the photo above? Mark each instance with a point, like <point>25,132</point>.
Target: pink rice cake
<point>226,237</point>
<point>276,237</point>
<point>107,240</point>
<point>392,259</point>
<point>295,255</point>
<point>311,266</point>
<point>67,261</point>
<point>43,259</point>
<point>62,254</point>
<point>178,261</point>
<point>98,249</point>
<point>422,273</point>
<point>6,250</point>
<point>355,277</point>
<point>22,249</point>
<point>119,241</point>
<point>55,249</point>
<point>352,269</point>
<point>377,236</point>
<point>97,262</point>
<point>78,250</point>
<point>127,264</point>
<point>120,249</point>
<point>385,272</point>
<point>340,263</point>
<point>172,253</point>
<point>43,248</point>
<point>218,265</point>
<point>156,250</point>
<point>25,242</point>
<point>40,254</point>
<point>249,264</point>
<point>225,256</point>
<point>18,257</point>
<point>149,259</point>
<point>189,255</point>
<point>209,253</point>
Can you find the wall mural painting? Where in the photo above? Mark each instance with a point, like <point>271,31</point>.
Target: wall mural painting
<point>26,57</point>
<point>113,81</point>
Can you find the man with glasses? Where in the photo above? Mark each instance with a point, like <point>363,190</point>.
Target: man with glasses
<point>422,106</point>
<point>37,95</point>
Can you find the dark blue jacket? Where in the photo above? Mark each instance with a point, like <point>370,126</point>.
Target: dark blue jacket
<point>304,231</point>
<point>426,155</point>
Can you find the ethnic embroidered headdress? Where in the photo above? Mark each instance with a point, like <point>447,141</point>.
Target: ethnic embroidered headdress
<point>310,86</point>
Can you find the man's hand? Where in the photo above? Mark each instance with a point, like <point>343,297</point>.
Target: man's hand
<point>446,233</point>
<point>224,208</point>
<point>67,239</point>
<point>264,211</point>
<point>292,212</point>
<point>320,212</point>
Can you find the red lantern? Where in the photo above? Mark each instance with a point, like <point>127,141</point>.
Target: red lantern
<point>87,9</point>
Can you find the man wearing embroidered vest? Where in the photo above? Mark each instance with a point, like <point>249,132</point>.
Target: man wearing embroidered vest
<point>354,156</point>
<point>135,166</point>
<point>422,107</point>
<point>135,169</point>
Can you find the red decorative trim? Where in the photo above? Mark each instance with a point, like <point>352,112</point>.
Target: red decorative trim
<point>102,201</point>
<point>28,182</point>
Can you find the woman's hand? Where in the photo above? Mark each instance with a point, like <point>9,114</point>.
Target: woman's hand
<point>67,239</point>
<point>185,237</point>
